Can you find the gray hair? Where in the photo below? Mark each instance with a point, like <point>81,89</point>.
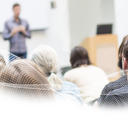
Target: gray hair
<point>46,57</point>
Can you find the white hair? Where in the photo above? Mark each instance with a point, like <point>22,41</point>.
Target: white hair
<point>46,57</point>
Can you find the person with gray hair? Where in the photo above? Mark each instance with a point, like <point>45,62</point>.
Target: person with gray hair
<point>47,58</point>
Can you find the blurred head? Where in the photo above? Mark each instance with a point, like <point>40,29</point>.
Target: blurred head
<point>45,57</point>
<point>25,74</point>
<point>125,57</point>
<point>79,56</point>
<point>120,52</point>
<point>16,10</point>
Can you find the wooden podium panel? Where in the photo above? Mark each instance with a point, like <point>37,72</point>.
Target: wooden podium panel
<point>103,51</point>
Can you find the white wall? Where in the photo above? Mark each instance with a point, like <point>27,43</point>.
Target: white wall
<point>121,22</point>
<point>86,14</point>
<point>58,34</point>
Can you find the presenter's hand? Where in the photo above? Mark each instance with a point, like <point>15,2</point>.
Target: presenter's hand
<point>14,31</point>
<point>22,29</point>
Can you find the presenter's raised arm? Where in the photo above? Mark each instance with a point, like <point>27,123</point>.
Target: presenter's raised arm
<point>26,31</point>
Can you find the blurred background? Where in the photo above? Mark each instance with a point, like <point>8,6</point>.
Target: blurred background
<point>63,24</point>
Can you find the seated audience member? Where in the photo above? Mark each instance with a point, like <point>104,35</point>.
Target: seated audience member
<point>25,76</point>
<point>46,57</point>
<point>90,79</point>
<point>2,62</point>
<point>125,39</point>
<point>116,93</point>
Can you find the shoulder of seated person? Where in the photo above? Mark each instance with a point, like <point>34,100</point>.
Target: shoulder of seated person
<point>120,91</point>
<point>115,84</point>
<point>69,83</point>
<point>97,68</point>
<point>117,97</point>
<point>70,72</point>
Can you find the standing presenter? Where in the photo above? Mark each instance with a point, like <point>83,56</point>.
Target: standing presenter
<point>16,30</point>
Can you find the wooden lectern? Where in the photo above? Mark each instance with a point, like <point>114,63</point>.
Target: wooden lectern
<point>103,51</point>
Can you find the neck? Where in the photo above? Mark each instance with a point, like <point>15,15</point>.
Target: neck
<point>17,19</point>
<point>83,65</point>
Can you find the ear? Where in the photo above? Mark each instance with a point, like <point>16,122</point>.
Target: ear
<point>125,65</point>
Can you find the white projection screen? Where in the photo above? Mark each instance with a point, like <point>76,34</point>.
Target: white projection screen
<point>36,12</point>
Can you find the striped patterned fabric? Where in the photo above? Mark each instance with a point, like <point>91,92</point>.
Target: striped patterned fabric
<point>26,76</point>
<point>115,93</point>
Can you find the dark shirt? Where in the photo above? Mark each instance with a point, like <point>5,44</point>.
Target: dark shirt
<point>17,42</point>
<point>115,93</point>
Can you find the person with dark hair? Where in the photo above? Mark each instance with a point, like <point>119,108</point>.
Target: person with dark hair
<point>16,30</point>
<point>116,93</point>
<point>79,56</point>
<point>125,40</point>
<point>90,79</point>
<point>15,5</point>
